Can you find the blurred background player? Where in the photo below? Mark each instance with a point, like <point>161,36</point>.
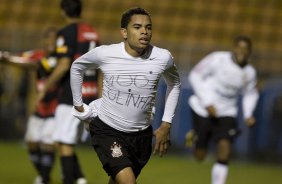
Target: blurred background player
<point>217,81</point>
<point>73,40</point>
<point>41,123</point>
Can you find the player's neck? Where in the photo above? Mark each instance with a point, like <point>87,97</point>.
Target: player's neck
<point>73,20</point>
<point>134,52</point>
<point>242,64</point>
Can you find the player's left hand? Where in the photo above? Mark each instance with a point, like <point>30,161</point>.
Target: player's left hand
<point>162,139</point>
<point>4,56</point>
<point>250,122</point>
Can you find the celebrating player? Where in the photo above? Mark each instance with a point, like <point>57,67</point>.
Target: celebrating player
<point>122,134</point>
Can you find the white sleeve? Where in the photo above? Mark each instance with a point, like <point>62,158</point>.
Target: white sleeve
<point>172,80</point>
<point>198,79</point>
<point>89,60</point>
<point>250,97</point>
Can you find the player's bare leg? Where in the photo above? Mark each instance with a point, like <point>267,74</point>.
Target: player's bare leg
<point>220,168</point>
<point>200,153</point>
<point>223,150</point>
<point>190,138</point>
<point>125,176</point>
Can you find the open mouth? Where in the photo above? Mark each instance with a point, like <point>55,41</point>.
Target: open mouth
<point>144,40</point>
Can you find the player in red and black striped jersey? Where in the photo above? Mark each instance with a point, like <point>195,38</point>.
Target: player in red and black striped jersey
<point>41,123</point>
<point>73,40</point>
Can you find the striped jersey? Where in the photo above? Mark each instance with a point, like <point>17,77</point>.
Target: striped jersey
<point>73,41</point>
<point>46,64</point>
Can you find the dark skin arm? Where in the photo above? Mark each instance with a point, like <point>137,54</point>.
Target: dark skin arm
<point>162,138</point>
<point>19,62</point>
<point>79,108</point>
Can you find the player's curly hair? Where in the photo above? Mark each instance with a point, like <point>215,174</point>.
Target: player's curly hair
<point>126,16</point>
<point>72,8</point>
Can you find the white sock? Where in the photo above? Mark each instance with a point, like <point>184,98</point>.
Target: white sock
<point>219,173</point>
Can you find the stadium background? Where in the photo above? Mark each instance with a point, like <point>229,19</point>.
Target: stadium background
<point>188,28</point>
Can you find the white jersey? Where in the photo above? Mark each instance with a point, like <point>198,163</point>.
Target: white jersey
<point>218,80</point>
<point>129,85</point>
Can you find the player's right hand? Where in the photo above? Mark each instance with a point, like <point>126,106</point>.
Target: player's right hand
<point>79,108</point>
<point>250,122</point>
<point>211,111</point>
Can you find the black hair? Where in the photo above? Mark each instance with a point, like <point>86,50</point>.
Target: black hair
<point>244,39</point>
<point>126,16</point>
<point>72,8</point>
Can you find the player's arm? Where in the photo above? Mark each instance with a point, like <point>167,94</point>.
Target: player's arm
<point>90,59</point>
<point>162,134</point>
<point>199,83</point>
<point>19,61</point>
<point>64,53</point>
<point>250,98</point>
<point>60,70</point>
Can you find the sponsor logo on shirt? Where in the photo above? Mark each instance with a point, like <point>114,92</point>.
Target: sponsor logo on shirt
<point>90,36</point>
<point>61,48</point>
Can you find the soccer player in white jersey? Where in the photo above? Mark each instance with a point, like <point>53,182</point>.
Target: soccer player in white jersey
<point>217,81</point>
<point>122,134</point>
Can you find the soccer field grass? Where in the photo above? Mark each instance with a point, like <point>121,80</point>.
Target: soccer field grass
<point>15,168</point>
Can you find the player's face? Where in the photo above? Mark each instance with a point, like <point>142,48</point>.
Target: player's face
<point>242,52</point>
<point>138,34</point>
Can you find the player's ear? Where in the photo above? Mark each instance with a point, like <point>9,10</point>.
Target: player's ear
<point>123,33</point>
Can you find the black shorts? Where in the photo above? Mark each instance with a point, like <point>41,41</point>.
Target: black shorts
<point>118,150</point>
<point>213,128</point>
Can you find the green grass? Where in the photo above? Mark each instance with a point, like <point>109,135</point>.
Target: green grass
<point>15,168</point>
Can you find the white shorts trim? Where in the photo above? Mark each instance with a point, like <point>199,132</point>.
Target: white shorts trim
<point>40,129</point>
<point>67,126</point>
